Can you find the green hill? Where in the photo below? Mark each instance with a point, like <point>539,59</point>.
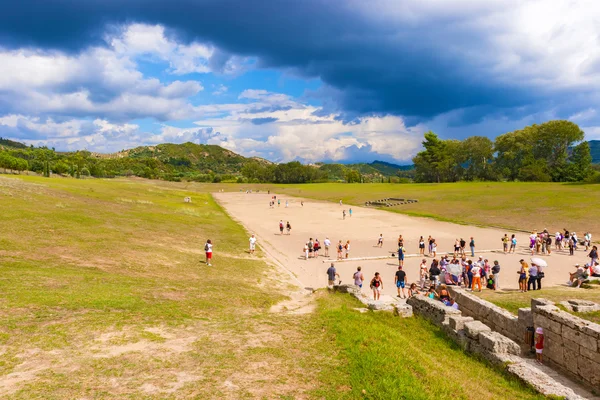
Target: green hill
<point>12,144</point>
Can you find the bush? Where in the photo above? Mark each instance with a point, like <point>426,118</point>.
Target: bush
<point>217,179</point>
<point>594,177</point>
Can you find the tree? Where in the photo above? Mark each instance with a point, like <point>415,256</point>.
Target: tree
<point>353,176</point>
<point>478,154</point>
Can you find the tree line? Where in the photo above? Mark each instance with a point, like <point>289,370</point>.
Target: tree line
<point>550,152</point>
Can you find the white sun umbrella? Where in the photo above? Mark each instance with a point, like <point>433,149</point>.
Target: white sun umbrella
<point>539,262</point>
<point>454,269</point>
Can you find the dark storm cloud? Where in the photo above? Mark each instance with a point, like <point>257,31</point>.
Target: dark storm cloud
<point>372,67</point>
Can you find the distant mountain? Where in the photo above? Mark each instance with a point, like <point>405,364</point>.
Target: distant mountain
<point>11,143</point>
<point>595,150</point>
<point>380,167</point>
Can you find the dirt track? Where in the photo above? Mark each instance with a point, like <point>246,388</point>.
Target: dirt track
<point>323,219</point>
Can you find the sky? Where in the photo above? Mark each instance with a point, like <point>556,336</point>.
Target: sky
<point>311,80</point>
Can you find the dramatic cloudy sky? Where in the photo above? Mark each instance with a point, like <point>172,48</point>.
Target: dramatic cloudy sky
<point>311,80</point>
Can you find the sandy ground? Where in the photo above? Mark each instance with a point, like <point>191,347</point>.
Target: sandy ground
<point>323,219</point>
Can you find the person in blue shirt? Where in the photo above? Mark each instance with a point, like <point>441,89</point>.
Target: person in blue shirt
<point>401,256</point>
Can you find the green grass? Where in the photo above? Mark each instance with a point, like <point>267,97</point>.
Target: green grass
<point>103,295</point>
<point>513,300</point>
<point>387,357</point>
<point>517,205</point>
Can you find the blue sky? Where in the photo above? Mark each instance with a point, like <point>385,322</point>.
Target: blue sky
<point>312,80</point>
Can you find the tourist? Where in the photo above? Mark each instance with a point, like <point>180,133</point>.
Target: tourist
<point>595,269</point>
<point>571,245</point>
<point>532,239</point>
<point>548,244</point>
<point>305,251</point>
<point>423,273</point>
<point>347,248</point>
<point>505,242</point>
<point>278,203</point>
<point>400,256</point>
<point>431,293</point>
<point>400,281</point>
<point>496,273</point>
<point>430,243</point>
<point>400,241</point>
<point>316,248</point>
<point>358,277</point>
<point>252,243</point>
<point>311,246</point>
<point>472,246</point>
<point>558,241</point>
<point>587,238</point>
<point>331,274</point>
<point>444,295</point>
<point>288,227</point>
<point>380,240</point>
<point>453,304</point>
<point>469,272</point>
<point>523,276</point>
<point>350,212</point>
<point>593,255</point>
<point>462,246</point>
<point>456,247</point>
<point>208,251</point>
<point>539,344</point>
<point>434,272</point>
<point>286,204</point>
<point>489,282</point>
<point>513,244</point>
<point>302,203</point>
<point>376,285</point>
<point>340,202</point>
<point>412,290</point>
<point>532,281</point>
<point>281,226</point>
<point>327,243</point>
<point>434,248</point>
<point>580,275</point>
<point>340,250</point>
<point>421,246</point>
<point>476,273</point>
<point>343,214</point>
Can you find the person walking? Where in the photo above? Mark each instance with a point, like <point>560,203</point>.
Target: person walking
<point>288,227</point>
<point>496,275</point>
<point>463,244</point>
<point>593,255</point>
<point>358,277</point>
<point>476,272</point>
<point>331,274</point>
<point>513,244</point>
<point>327,243</point>
<point>434,272</point>
<point>423,273</point>
<point>316,248</point>
<point>376,285</point>
<point>311,245</point>
<point>286,204</point>
<point>208,251</point>
<point>252,241</point>
<point>350,212</point>
<point>421,246</point>
<point>380,240</point>
<point>344,214</point>
<point>347,248</point>
<point>505,242</point>
<point>305,251</point>
<point>400,256</point>
<point>472,246</point>
<point>281,226</point>
<point>340,250</point>
<point>400,281</point>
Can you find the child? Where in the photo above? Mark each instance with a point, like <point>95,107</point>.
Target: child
<point>380,240</point>
<point>306,251</point>
<point>490,282</point>
<point>539,344</point>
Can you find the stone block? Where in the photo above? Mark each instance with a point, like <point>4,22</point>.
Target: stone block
<point>546,323</point>
<point>535,303</point>
<point>457,322</point>
<point>588,370</point>
<point>582,339</point>
<point>403,310</point>
<point>473,328</point>
<point>552,339</point>
<point>570,361</point>
<point>554,353</point>
<point>497,343</point>
<point>573,322</point>
<point>589,354</point>
<point>525,316</point>
<point>591,330</point>
<point>379,306</point>
<point>570,345</point>
<point>540,381</point>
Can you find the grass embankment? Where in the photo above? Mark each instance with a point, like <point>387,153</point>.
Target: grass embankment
<point>394,358</point>
<point>513,300</point>
<point>517,205</point>
<point>103,295</point>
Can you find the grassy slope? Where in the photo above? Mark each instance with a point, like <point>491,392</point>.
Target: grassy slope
<point>509,204</point>
<point>103,295</point>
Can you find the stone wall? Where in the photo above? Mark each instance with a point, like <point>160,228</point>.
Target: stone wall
<point>476,337</point>
<point>497,318</point>
<point>570,343</point>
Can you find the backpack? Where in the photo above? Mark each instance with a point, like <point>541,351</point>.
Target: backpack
<point>375,283</point>
<point>206,247</point>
